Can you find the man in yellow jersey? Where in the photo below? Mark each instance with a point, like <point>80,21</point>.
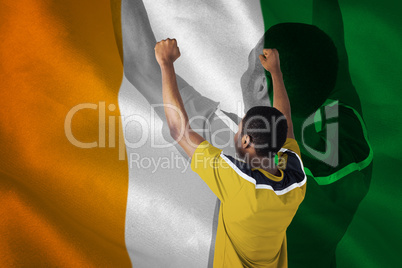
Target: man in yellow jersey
<point>258,198</point>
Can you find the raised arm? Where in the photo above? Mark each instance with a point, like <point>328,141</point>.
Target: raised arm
<point>143,71</point>
<point>166,52</point>
<point>270,61</point>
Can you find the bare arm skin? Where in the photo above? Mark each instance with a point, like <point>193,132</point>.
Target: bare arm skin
<point>166,52</point>
<point>270,60</point>
<point>144,73</point>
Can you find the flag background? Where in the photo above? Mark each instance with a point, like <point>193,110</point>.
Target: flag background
<point>66,206</point>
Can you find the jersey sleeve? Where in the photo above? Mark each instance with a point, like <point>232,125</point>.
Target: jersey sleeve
<point>290,157</point>
<point>291,144</point>
<point>215,171</point>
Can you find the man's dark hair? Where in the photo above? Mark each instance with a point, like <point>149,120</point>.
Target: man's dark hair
<point>267,128</point>
<point>309,63</point>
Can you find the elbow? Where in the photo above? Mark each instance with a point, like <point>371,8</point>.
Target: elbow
<point>177,127</point>
<point>176,133</point>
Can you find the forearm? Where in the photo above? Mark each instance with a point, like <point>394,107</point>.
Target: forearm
<point>176,115</point>
<point>281,99</point>
<point>166,52</point>
<point>270,61</point>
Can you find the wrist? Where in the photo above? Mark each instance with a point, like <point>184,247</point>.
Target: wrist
<point>166,64</point>
<point>276,75</point>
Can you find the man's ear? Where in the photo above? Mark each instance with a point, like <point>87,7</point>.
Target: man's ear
<point>245,141</point>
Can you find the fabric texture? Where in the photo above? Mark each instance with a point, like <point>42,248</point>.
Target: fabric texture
<point>62,204</point>
<point>65,206</point>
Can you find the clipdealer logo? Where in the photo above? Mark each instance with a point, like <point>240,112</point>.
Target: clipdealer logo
<point>121,141</point>
<point>325,121</point>
<point>101,142</point>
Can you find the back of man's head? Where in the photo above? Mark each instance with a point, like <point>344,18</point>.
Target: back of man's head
<point>267,128</point>
<point>309,63</point>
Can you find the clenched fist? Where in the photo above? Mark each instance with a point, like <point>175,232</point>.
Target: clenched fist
<point>270,61</point>
<point>166,51</point>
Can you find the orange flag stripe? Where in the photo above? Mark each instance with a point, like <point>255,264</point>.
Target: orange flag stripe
<point>61,205</point>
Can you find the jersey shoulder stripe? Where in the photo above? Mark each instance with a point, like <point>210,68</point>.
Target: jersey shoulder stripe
<point>293,177</point>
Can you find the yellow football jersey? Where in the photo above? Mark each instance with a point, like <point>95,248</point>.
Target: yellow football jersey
<point>256,206</point>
